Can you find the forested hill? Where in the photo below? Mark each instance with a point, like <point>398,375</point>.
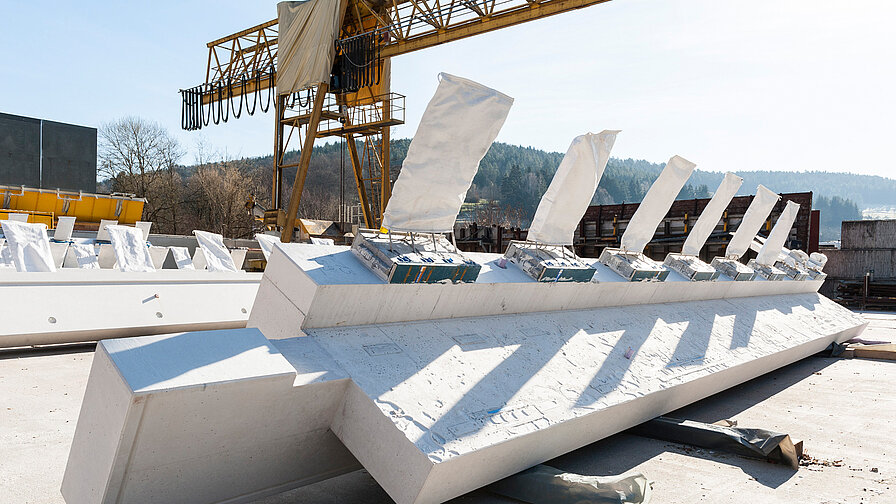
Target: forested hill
<point>516,177</point>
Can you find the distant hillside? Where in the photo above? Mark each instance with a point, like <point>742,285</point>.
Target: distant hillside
<point>515,176</point>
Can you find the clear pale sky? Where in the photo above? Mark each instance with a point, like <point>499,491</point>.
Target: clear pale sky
<point>764,84</point>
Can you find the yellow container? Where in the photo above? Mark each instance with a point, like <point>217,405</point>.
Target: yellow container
<point>85,207</point>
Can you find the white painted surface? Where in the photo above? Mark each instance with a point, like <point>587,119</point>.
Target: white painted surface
<point>73,305</point>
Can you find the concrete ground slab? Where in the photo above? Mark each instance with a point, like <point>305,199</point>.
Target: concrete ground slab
<point>843,413</point>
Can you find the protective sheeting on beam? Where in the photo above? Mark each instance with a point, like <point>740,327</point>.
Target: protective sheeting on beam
<point>572,188</point>
<point>457,128</point>
<point>131,252</point>
<point>656,203</point>
<point>774,244</point>
<point>752,222</point>
<point>306,42</point>
<point>28,246</point>
<point>711,215</point>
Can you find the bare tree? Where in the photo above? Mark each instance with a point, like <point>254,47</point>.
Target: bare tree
<point>139,157</point>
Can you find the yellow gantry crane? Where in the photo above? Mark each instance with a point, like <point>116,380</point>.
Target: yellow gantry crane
<point>357,104</point>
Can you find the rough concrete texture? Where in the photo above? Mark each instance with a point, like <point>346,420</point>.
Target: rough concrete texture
<point>842,409</point>
<point>438,408</point>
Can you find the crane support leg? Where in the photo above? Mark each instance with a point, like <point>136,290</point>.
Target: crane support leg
<point>298,185</point>
<point>359,179</point>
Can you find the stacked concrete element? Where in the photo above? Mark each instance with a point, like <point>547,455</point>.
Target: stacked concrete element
<point>436,389</point>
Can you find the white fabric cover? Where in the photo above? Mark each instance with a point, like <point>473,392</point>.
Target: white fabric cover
<point>752,222</point>
<point>306,49</point>
<point>711,215</point>
<point>322,241</point>
<point>772,247</point>
<point>656,204</point>
<point>5,255</point>
<point>64,228</point>
<point>131,252</point>
<point>18,217</point>
<point>457,128</point>
<point>28,245</point>
<point>266,242</point>
<point>564,203</point>
<point>217,256</point>
<point>182,258</point>
<point>85,255</point>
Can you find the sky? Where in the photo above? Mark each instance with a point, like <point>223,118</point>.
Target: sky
<point>732,86</point>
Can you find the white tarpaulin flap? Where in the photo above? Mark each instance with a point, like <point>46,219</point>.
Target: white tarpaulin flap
<point>182,258</point>
<point>656,203</point>
<point>711,215</point>
<point>457,128</point>
<point>217,256</point>
<point>28,245</point>
<point>130,248</point>
<point>564,203</point>
<point>769,252</point>
<point>85,255</point>
<point>752,222</point>
<point>266,242</point>
<point>306,49</point>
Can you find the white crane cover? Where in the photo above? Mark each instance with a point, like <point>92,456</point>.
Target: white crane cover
<point>656,203</point>
<point>28,245</point>
<point>773,246</point>
<point>306,49</point>
<point>752,221</point>
<point>711,215</point>
<point>457,128</point>
<point>130,248</point>
<point>564,203</point>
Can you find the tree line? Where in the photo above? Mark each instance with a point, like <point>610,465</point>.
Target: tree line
<point>218,193</point>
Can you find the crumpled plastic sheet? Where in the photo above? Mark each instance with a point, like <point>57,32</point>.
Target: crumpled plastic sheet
<point>5,255</point>
<point>85,255</point>
<point>131,251</point>
<point>544,484</point>
<point>754,443</point>
<point>28,246</point>
<point>216,254</point>
<point>182,258</point>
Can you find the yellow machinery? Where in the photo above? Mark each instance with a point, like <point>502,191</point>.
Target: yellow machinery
<point>47,205</point>
<point>357,104</point>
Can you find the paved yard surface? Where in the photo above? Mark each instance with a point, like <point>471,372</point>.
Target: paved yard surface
<point>843,409</point>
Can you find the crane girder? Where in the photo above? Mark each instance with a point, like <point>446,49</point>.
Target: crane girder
<point>245,61</point>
